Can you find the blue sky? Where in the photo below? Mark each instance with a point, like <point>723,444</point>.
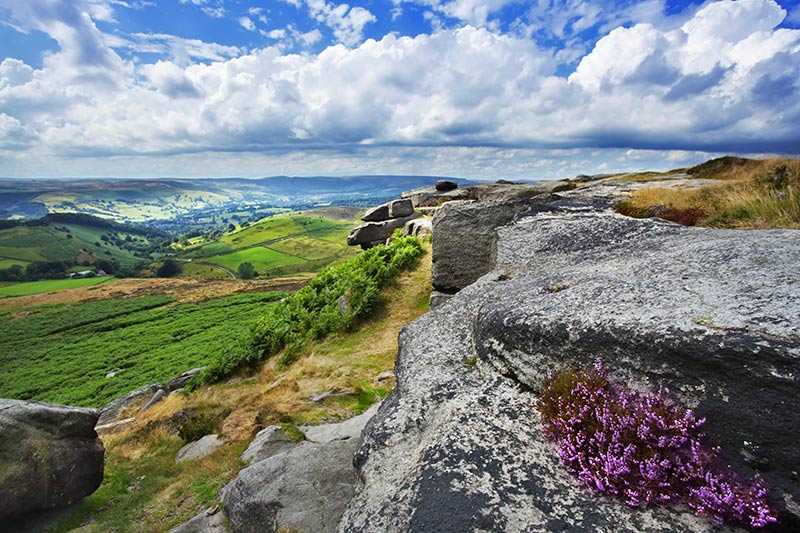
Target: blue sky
<point>487,89</point>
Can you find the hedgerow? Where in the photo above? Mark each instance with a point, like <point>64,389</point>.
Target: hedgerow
<point>644,449</point>
<point>331,302</point>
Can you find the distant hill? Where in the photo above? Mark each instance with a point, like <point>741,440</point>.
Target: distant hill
<point>181,204</point>
<point>74,238</point>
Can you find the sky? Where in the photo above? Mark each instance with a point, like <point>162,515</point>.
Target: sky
<point>480,89</point>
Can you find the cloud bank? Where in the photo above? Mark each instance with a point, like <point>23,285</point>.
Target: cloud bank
<point>726,79</point>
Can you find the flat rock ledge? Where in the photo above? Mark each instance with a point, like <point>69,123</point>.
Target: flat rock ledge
<point>712,314</point>
<point>50,456</point>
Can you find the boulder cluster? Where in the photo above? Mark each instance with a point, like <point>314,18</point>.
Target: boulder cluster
<point>381,222</point>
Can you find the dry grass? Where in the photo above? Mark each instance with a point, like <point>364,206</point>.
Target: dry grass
<point>168,494</point>
<point>756,194</point>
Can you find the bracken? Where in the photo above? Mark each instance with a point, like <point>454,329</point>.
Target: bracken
<point>644,448</point>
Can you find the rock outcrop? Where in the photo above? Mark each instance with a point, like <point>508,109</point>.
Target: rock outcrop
<point>381,222</point>
<point>714,315</point>
<point>199,449</point>
<point>50,456</point>
<point>301,487</point>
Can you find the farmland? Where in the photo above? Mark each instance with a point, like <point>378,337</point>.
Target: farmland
<point>92,352</point>
<point>48,286</point>
<point>278,245</point>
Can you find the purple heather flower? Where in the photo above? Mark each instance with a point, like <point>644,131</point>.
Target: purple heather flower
<point>645,449</point>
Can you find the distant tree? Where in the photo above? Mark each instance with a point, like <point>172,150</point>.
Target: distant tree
<point>231,227</point>
<point>12,273</point>
<point>107,266</point>
<point>169,268</point>
<point>247,271</point>
<point>46,270</point>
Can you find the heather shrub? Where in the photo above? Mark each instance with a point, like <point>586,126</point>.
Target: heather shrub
<point>644,449</point>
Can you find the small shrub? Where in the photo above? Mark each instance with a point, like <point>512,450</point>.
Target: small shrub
<point>644,449</point>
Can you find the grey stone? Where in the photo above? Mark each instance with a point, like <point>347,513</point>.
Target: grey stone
<point>113,427</point>
<point>113,410</point>
<point>376,232</point>
<point>199,449</point>
<point>182,380</point>
<point>304,489</point>
<point>394,209</point>
<point>50,456</point>
<point>270,441</point>
<point>439,298</point>
<point>401,208</point>
<point>159,395</point>
<point>207,521</point>
<point>712,314</point>
<point>384,376</point>
<point>418,227</point>
<point>347,429</point>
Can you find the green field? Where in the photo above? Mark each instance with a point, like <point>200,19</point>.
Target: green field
<point>48,285</point>
<point>278,245</point>
<point>63,353</point>
<point>7,263</point>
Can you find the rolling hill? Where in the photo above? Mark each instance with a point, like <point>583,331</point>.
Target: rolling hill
<point>80,240</point>
<point>278,245</point>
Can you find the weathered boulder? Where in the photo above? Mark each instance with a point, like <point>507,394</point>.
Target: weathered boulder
<point>439,298</point>
<point>393,209</point>
<point>376,232</point>
<point>418,227</point>
<point>446,185</point>
<point>198,449</point>
<point>305,488</point>
<point>50,456</point>
<point>713,314</point>
<point>270,441</point>
<point>111,412</point>
<point>182,380</point>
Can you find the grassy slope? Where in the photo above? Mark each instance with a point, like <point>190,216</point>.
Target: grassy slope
<point>751,194</point>
<point>144,490</point>
<point>49,285</point>
<point>62,353</point>
<point>278,245</point>
<point>47,243</point>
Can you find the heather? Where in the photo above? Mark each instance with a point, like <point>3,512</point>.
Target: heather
<point>645,449</point>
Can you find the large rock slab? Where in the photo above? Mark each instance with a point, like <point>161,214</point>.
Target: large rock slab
<point>207,521</point>
<point>199,449</point>
<point>304,488</point>
<point>270,441</point>
<point>711,313</point>
<point>50,456</point>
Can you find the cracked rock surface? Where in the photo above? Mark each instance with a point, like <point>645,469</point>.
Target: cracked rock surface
<point>711,314</point>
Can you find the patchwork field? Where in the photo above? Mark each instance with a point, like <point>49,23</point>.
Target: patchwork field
<point>49,285</point>
<point>278,245</point>
<point>92,352</point>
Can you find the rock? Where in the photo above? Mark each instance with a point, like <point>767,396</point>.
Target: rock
<point>159,395</point>
<point>113,427</point>
<point>322,396</point>
<point>376,232</point>
<point>304,489</point>
<point>401,208</point>
<point>50,456</point>
<point>343,304</point>
<point>438,299</point>
<point>199,448</point>
<point>384,376</point>
<point>207,521</point>
<point>426,198</point>
<point>270,441</point>
<point>713,314</point>
<point>348,429</point>
<point>113,410</point>
<point>182,380</point>
<point>377,214</point>
<point>394,209</point>
<point>446,185</point>
<point>418,227</point>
